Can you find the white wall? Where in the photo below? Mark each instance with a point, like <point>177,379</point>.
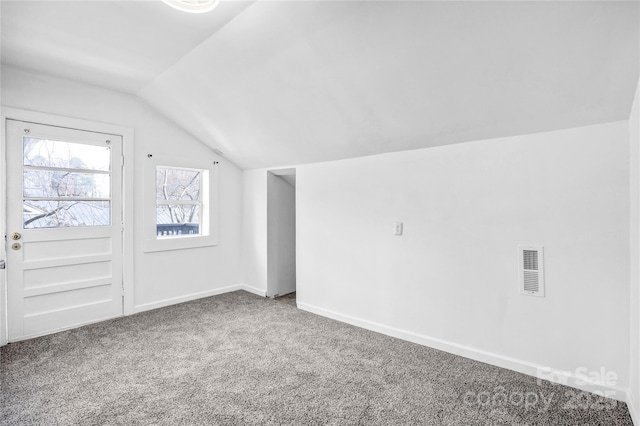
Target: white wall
<point>633,400</point>
<point>3,289</point>
<point>254,232</point>
<point>281,236</point>
<point>451,280</point>
<point>163,277</point>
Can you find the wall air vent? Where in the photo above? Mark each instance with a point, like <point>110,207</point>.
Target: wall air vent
<point>531,270</point>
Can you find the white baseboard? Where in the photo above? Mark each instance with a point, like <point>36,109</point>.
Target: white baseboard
<point>632,404</point>
<point>502,361</point>
<point>253,290</point>
<point>186,298</point>
<point>200,295</point>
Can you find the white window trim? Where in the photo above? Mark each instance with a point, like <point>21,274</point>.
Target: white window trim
<point>151,241</point>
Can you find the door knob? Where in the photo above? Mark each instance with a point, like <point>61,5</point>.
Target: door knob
<point>16,236</point>
<point>16,246</point>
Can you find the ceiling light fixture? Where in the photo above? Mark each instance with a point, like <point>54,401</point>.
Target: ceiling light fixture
<point>193,6</point>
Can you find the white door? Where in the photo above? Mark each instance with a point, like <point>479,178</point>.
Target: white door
<point>64,228</point>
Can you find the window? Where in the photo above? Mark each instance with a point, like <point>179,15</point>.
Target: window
<point>180,203</point>
<point>65,184</point>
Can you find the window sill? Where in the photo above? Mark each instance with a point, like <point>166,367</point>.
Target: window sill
<point>179,243</point>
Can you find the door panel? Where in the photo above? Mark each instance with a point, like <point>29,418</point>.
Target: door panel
<point>64,208</point>
<point>40,249</point>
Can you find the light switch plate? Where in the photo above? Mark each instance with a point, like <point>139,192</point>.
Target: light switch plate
<point>398,228</point>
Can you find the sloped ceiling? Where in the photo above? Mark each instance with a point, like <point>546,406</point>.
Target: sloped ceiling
<point>276,83</point>
<point>121,45</point>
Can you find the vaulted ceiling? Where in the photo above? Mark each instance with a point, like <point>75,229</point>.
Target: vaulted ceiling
<point>275,83</point>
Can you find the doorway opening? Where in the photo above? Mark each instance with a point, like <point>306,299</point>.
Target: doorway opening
<point>281,234</point>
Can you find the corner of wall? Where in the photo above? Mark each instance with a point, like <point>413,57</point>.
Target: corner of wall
<point>254,229</point>
<point>253,290</point>
<point>633,409</point>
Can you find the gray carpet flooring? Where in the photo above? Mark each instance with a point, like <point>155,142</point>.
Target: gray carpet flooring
<point>239,359</point>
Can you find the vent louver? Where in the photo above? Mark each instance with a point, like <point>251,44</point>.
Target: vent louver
<point>531,270</point>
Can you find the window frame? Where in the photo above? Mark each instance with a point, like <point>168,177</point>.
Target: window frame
<point>209,211</point>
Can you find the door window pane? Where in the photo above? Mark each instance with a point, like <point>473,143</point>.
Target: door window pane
<point>50,172</point>
<point>46,153</point>
<point>62,183</point>
<point>64,214</point>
